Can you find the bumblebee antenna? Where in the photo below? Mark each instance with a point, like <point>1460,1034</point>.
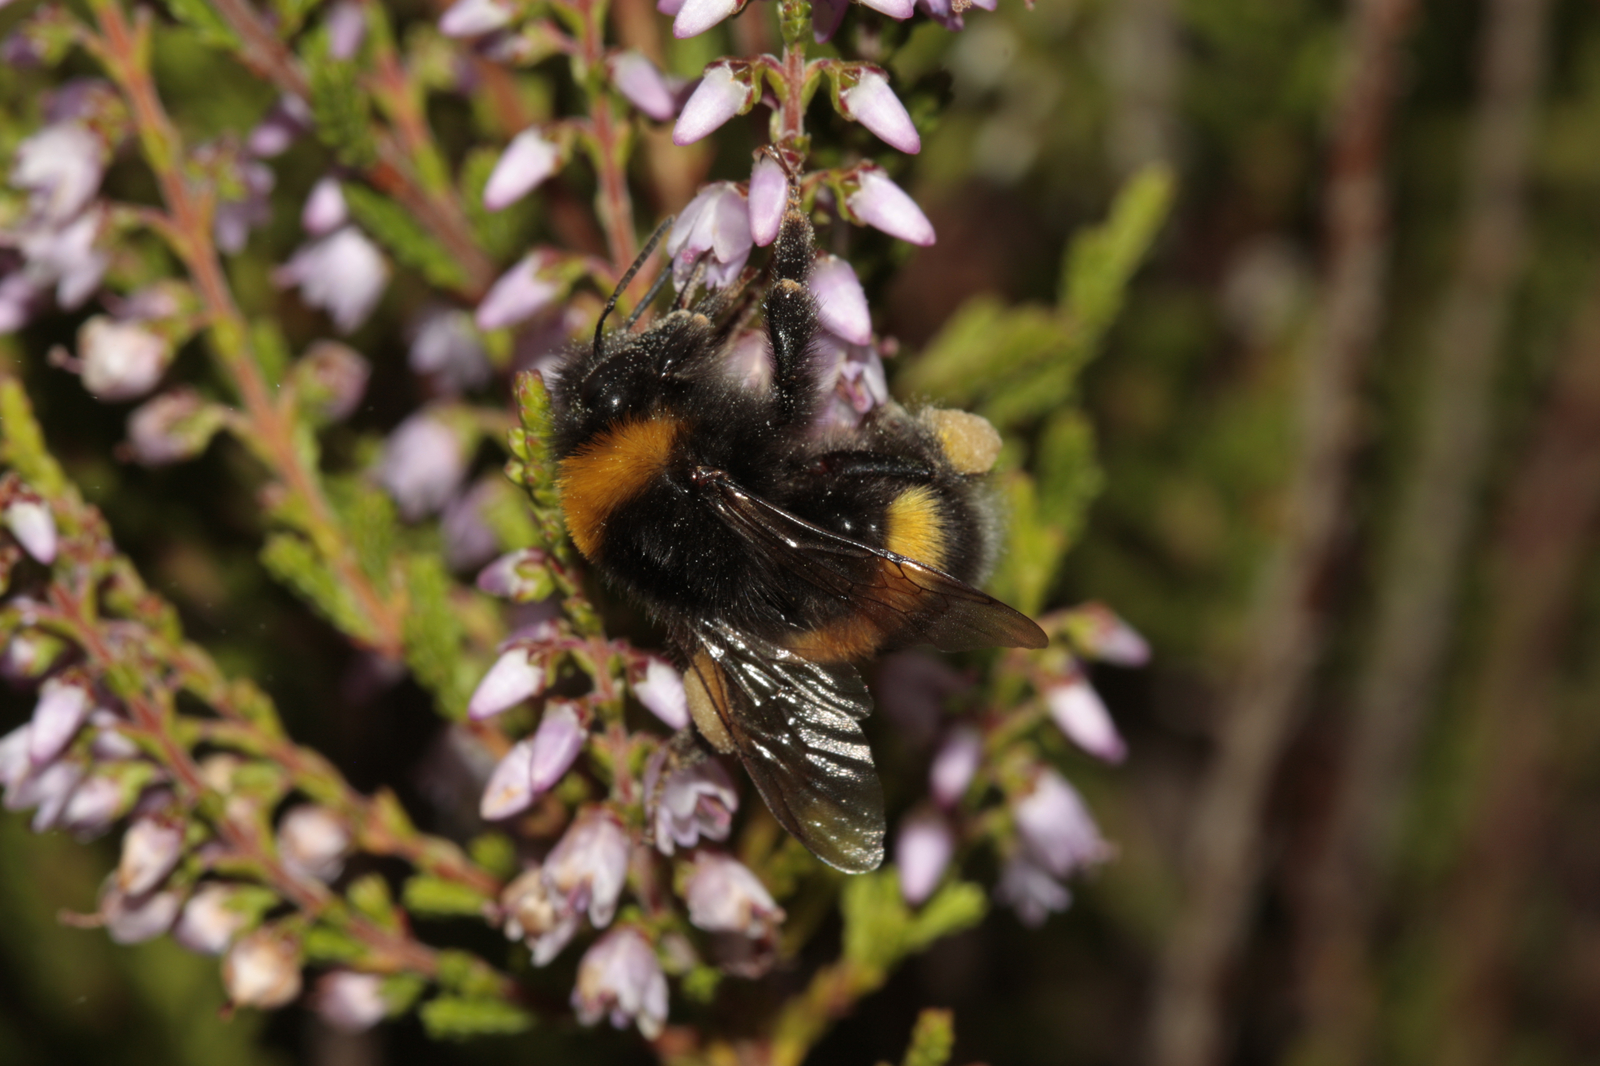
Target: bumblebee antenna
<point>611,304</point>
<point>649,298</point>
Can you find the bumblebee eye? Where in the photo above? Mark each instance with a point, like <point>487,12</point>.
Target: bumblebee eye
<point>608,389</point>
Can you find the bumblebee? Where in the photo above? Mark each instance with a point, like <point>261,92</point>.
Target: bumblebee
<point>776,557</point>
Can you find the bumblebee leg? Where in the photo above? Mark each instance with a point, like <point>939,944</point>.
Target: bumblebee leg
<point>791,315</point>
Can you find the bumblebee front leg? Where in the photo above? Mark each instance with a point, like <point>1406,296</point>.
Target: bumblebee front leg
<point>791,316</point>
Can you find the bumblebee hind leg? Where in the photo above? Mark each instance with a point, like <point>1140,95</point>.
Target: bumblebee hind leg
<point>791,315</point>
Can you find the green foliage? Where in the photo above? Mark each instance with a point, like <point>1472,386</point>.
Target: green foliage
<point>880,930</point>
<point>24,442</point>
<point>458,1018</point>
<point>434,636</point>
<point>203,19</point>
<point>341,107</point>
<point>403,235</point>
<point>292,560</point>
<point>932,1039</point>
<point>436,897</point>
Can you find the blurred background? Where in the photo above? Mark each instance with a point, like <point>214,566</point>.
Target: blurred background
<point>1349,426</point>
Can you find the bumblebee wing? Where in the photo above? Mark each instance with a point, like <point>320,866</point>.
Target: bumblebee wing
<point>795,725</point>
<point>902,599</point>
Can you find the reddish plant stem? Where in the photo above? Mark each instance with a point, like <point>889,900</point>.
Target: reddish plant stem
<point>270,425</point>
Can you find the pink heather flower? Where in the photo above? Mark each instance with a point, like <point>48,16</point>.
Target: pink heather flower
<point>47,790</point>
<point>31,522</point>
<point>695,17</point>
<point>535,765</point>
<point>14,762</point>
<point>262,970</point>
<point>66,258</point>
<point>769,198</point>
<point>312,842</point>
<point>1101,634</point>
<point>61,710</point>
<point>288,120</point>
<point>527,161</point>
<point>747,361</point>
<point>120,360</point>
<point>423,464</point>
<point>859,383</point>
<point>97,802</point>
<point>135,919</point>
<point>724,91</point>
<point>882,204</point>
<point>519,576</point>
<point>690,802</point>
<point>662,693</point>
<point>713,229</point>
<point>109,742</point>
<point>325,209</point>
<point>1056,829</point>
<point>940,11</point>
<point>174,426</point>
<point>60,168</point>
<point>469,542</point>
<point>446,349</point>
<point>826,17</point>
<point>342,273</point>
<point>872,103</point>
<point>642,85</point>
<point>725,897</point>
<point>236,218</point>
<point>619,977</point>
<point>347,28</point>
<point>841,303</point>
<point>150,851</point>
<point>532,915</point>
<point>953,768</point>
<point>474,18</point>
<point>19,297</point>
<point>922,851</point>
<point>895,9</point>
<point>330,380</point>
<point>587,868</point>
<point>351,1002</point>
<point>1081,714</point>
<point>513,678</point>
<point>519,294</point>
<point>1031,891</point>
<point>210,920</point>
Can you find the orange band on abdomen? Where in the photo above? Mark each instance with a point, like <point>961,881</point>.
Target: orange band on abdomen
<point>608,471</point>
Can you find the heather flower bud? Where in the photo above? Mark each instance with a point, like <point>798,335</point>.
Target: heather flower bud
<point>31,522</point>
<point>513,678</point>
<point>527,161</point>
<point>325,209</point>
<point>473,18</point>
<point>695,17</point>
<point>60,168</point>
<point>532,915</point>
<point>150,851</point>
<point>1078,712</point>
<point>871,102</point>
<point>1056,828</point>
<point>841,303</point>
<point>347,28</point>
<point>661,691</point>
<point>47,790</point>
<point>769,199</point>
<point>620,978</point>
<point>120,360</point>
<point>93,806</point>
<point>522,292</point>
<point>953,768</point>
<point>134,919</point>
<point>30,655</point>
<point>61,710</point>
<point>1099,633</point>
<point>895,9</point>
<point>288,120</point>
<point>446,348</point>
<point>14,762</point>
<point>520,576</point>
<point>922,851</point>
<point>237,215</point>
<point>725,90</point>
<point>351,1002</point>
<point>713,232</point>
<point>174,426</point>
<point>262,970</point>
<point>882,204</point>
<point>535,765</point>
<point>1031,891</point>
<point>342,273</point>
<point>587,868</point>
<point>210,920</point>
<point>826,17</point>
<point>725,897</point>
<point>642,85</point>
<point>469,540</point>
<point>329,380</point>
<point>66,258</point>
<point>312,842</point>
<point>109,743</point>
<point>690,802</point>
<point>422,465</point>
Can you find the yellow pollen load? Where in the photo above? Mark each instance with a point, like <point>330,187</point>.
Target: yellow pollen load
<point>914,527</point>
<point>969,442</point>
<point>608,471</point>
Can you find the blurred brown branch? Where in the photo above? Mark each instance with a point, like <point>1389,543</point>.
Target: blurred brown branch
<point>1417,593</point>
<point>1222,857</point>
